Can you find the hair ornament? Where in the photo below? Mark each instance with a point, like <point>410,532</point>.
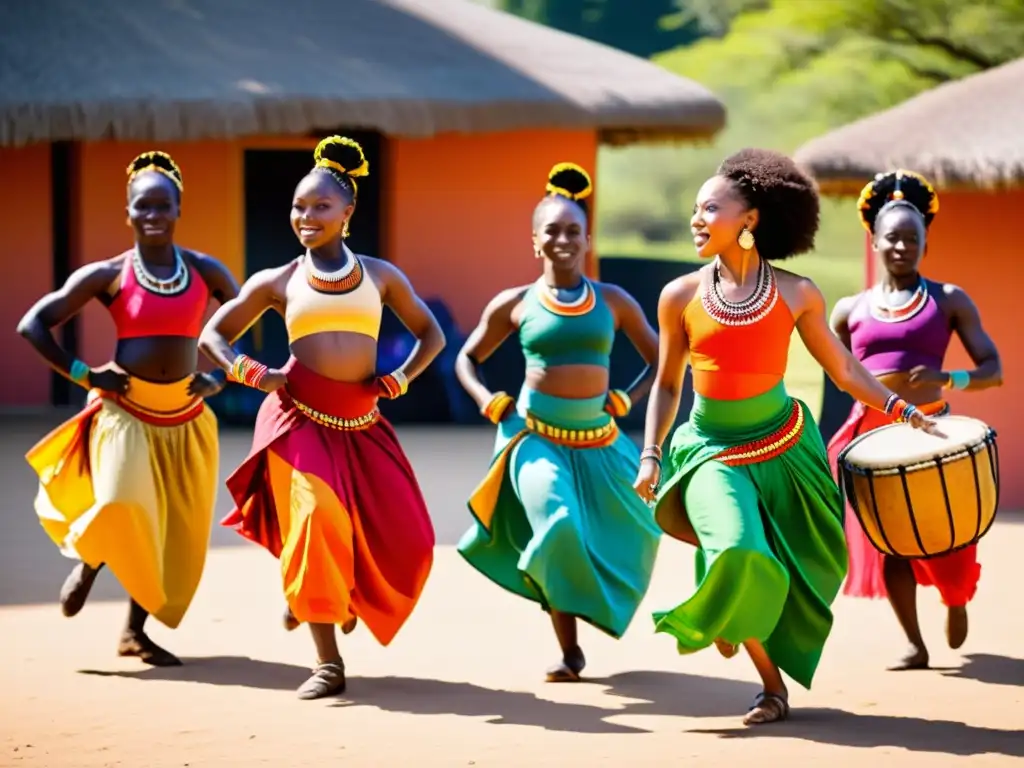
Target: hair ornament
<point>157,161</point>
<point>348,157</point>
<point>564,178</point>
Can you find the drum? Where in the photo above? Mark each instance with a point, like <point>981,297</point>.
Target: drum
<point>918,495</point>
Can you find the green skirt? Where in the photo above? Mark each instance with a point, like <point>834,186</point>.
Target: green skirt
<point>561,525</point>
<point>752,479</point>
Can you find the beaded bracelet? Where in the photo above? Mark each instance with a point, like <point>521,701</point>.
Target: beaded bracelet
<point>394,384</point>
<point>497,407</point>
<point>79,373</point>
<point>958,380</point>
<point>247,371</point>
<point>652,452</point>
<point>908,411</point>
<point>890,403</point>
<point>619,403</point>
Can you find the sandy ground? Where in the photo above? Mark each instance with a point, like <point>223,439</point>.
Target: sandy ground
<point>462,683</point>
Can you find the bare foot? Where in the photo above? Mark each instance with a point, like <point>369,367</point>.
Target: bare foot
<point>76,588</point>
<point>138,644</point>
<point>956,625</point>
<point>568,671</point>
<point>328,679</point>
<point>768,708</point>
<point>916,658</point>
<point>726,648</point>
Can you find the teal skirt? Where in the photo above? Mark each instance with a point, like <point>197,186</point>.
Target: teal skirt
<point>752,479</point>
<point>560,525</point>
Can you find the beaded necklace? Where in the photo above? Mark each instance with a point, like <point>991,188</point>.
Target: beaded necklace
<point>902,312</point>
<point>341,281</point>
<point>749,311</point>
<point>165,286</point>
<point>580,306</point>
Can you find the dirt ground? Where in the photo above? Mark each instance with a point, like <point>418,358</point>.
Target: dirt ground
<point>462,683</point>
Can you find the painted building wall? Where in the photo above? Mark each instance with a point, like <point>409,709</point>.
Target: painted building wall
<point>26,247</point>
<point>975,243</point>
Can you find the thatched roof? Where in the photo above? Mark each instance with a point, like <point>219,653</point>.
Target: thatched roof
<point>967,133</point>
<point>164,70</point>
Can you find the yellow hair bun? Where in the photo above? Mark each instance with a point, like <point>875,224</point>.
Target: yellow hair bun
<point>159,162</point>
<point>569,180</point>
<point>897,185</point>
<point>342,154</point>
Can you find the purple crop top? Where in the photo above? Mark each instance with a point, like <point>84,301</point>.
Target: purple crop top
<point>889,347</point>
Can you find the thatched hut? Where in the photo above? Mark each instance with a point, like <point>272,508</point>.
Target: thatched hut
<point>965,136</point>
<point>461,109</point>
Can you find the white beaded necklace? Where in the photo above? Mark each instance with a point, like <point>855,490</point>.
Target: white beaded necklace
<point>552,292</point>
<point>176,283</point>
<point>331,277</point>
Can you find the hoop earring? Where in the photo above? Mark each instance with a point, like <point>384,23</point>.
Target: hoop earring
<point>746,239</point>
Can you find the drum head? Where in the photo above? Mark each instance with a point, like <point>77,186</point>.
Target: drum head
<point>900,445</point>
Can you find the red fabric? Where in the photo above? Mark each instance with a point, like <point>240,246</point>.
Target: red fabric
<point>955,575</point>
<point>138,312</point>
<point>380,550</point>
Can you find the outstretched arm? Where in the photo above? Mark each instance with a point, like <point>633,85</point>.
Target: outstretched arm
<point>415,315</point>
<point>839,363</point>
<point>56,308</point>
<point>631,320</point>
<point>494,327</point>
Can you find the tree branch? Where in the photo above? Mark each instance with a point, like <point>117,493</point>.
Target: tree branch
<point>959,52</point>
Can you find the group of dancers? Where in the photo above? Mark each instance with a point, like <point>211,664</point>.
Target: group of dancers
<point>570,512</point>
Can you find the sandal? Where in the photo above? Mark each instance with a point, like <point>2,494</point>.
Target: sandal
<point>767,708</point>
<point>327,679</point>
<point>568,671</point>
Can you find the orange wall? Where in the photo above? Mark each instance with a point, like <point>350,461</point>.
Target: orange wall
<point>458,210</point>
<point>974,242</point>
<point>26,246</point>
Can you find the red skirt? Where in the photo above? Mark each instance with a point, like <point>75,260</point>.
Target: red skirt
<point>955,575</point>
<point>337,503</point>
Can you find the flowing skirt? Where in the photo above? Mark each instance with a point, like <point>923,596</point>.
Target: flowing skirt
<point>328,490</point>
<point>752,479</point>
<point>130,482</point>
<point>955,575</point>
<point>556,518</point>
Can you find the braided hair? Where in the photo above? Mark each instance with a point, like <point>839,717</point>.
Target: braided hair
<point>784,196</point>
<point>566,181</point>
<point>897,189</point>
<point>157,162</point>
<point>343,160</point>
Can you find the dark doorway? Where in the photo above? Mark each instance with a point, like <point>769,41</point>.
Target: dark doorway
<point>270,179</point>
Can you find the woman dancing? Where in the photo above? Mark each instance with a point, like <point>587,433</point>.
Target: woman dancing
<point>556,520</point>
<point>900,330</point>
<point>327,488</point>
<point>747,477</point>
<point>130,481</point>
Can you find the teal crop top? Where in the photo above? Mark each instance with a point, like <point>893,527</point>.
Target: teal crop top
<point>555,336</point>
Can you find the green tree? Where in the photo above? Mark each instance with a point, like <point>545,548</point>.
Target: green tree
<point>640,27</point>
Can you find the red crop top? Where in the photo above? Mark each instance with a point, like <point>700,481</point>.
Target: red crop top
<point>138,311</point>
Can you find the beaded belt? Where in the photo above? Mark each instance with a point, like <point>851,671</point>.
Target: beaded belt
<point>334,422</point>
<point>775,444</point>
<point>598,437</point>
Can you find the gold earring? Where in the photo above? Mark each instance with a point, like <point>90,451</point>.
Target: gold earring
<point>344,230</point>
<point>746,239</point>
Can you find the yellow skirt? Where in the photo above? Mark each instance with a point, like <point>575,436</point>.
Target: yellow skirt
<point>130,482</point>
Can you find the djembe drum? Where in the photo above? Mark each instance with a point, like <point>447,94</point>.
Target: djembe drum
<point>917,495</point>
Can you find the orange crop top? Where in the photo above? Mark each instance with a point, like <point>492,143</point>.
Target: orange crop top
<point>139,311</point>
<point>741,354</point>
<point>309,310</point>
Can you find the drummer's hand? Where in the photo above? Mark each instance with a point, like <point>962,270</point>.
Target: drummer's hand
<point>922,376</point>
<point>919,421</point>
<point>647,479</point>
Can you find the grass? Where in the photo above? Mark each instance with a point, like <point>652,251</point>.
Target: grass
<point>836,266</point>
